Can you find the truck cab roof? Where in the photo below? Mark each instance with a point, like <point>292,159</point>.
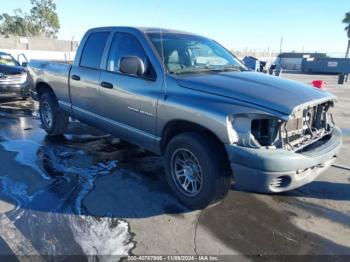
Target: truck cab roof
<point>145,30</point>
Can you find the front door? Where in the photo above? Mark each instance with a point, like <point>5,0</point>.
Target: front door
<point>129,102</point>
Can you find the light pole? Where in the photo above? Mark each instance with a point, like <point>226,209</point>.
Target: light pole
<point>281,44</point>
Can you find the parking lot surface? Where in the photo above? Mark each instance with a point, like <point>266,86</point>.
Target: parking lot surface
<point>89,195</point>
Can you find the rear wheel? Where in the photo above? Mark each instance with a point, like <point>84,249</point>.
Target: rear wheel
<point>197,170</point>
<point>53,119</point>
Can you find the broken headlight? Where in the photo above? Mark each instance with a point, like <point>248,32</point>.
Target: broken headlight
<point>255,130</point>
<point>266,131</point>
<point>23,78</point>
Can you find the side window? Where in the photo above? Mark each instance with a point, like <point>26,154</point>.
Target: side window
<point>93,50</point>
<point>124,45</point>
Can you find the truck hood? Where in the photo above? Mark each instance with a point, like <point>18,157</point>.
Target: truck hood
<point>258,89</point>
<point>11,70</point>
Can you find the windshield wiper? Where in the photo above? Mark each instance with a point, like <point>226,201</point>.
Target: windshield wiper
<point>208,69</point>
<point>191,70</point>
<point>227,68</point>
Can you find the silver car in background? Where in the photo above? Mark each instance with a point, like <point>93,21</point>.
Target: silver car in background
<point>14,78</point>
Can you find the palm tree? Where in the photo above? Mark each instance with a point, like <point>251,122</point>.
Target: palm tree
<point>346,20</point>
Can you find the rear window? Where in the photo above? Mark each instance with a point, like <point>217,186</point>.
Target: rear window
<point>93,50</point>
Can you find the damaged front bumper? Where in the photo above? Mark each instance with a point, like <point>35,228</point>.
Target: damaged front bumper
<point>277,170</point>
<point>15,90</point>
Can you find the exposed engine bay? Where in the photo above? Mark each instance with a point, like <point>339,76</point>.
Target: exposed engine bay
<point>305,127</point>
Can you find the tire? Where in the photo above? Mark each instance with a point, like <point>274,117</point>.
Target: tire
<point>214,177</point>
<point>53,119</point>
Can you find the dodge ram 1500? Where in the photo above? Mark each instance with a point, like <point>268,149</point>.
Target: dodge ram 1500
<point>186,97</point>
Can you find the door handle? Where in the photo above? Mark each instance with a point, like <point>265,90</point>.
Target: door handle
<point>107,85</point>
<point>76,78</point>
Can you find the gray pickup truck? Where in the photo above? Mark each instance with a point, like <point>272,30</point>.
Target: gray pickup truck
<point>186,97</point>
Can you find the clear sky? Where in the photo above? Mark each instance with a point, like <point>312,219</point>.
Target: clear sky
<point>309,25</point>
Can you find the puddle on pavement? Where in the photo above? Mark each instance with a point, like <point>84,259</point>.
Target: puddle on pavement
<point>18,108</point>
<point>54,217</point>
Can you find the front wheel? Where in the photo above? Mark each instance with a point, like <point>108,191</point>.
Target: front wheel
<point>53,119</point>
<point>197,170</point>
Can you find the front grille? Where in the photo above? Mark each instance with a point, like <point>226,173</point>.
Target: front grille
<point>308,126</point>
<point>13,79</point>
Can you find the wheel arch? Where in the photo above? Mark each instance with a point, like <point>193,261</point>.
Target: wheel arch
<point>43,87</point>
<point>176,127</point>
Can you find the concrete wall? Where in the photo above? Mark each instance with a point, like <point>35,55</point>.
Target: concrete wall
<point>36,43</point>
<point>39,48</point>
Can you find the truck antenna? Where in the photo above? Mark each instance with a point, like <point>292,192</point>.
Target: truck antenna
<point>162,54</point>
<point>163,61</point>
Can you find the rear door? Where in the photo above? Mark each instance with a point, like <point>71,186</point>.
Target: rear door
<point>130,101</point>
<point>85,77</point>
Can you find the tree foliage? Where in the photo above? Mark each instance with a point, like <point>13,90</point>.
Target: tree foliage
<point>42,20</point>
<point>346,20</point>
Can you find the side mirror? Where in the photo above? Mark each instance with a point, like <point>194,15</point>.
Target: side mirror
<point>132,65</point>
<point>24,64</point>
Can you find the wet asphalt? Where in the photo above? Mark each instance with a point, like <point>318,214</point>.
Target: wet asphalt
<point>88,196</point>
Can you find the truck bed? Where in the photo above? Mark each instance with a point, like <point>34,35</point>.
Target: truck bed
<point>53,73</point>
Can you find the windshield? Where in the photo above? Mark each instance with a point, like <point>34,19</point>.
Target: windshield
<point>189,53</point>
<point>6,59</point>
